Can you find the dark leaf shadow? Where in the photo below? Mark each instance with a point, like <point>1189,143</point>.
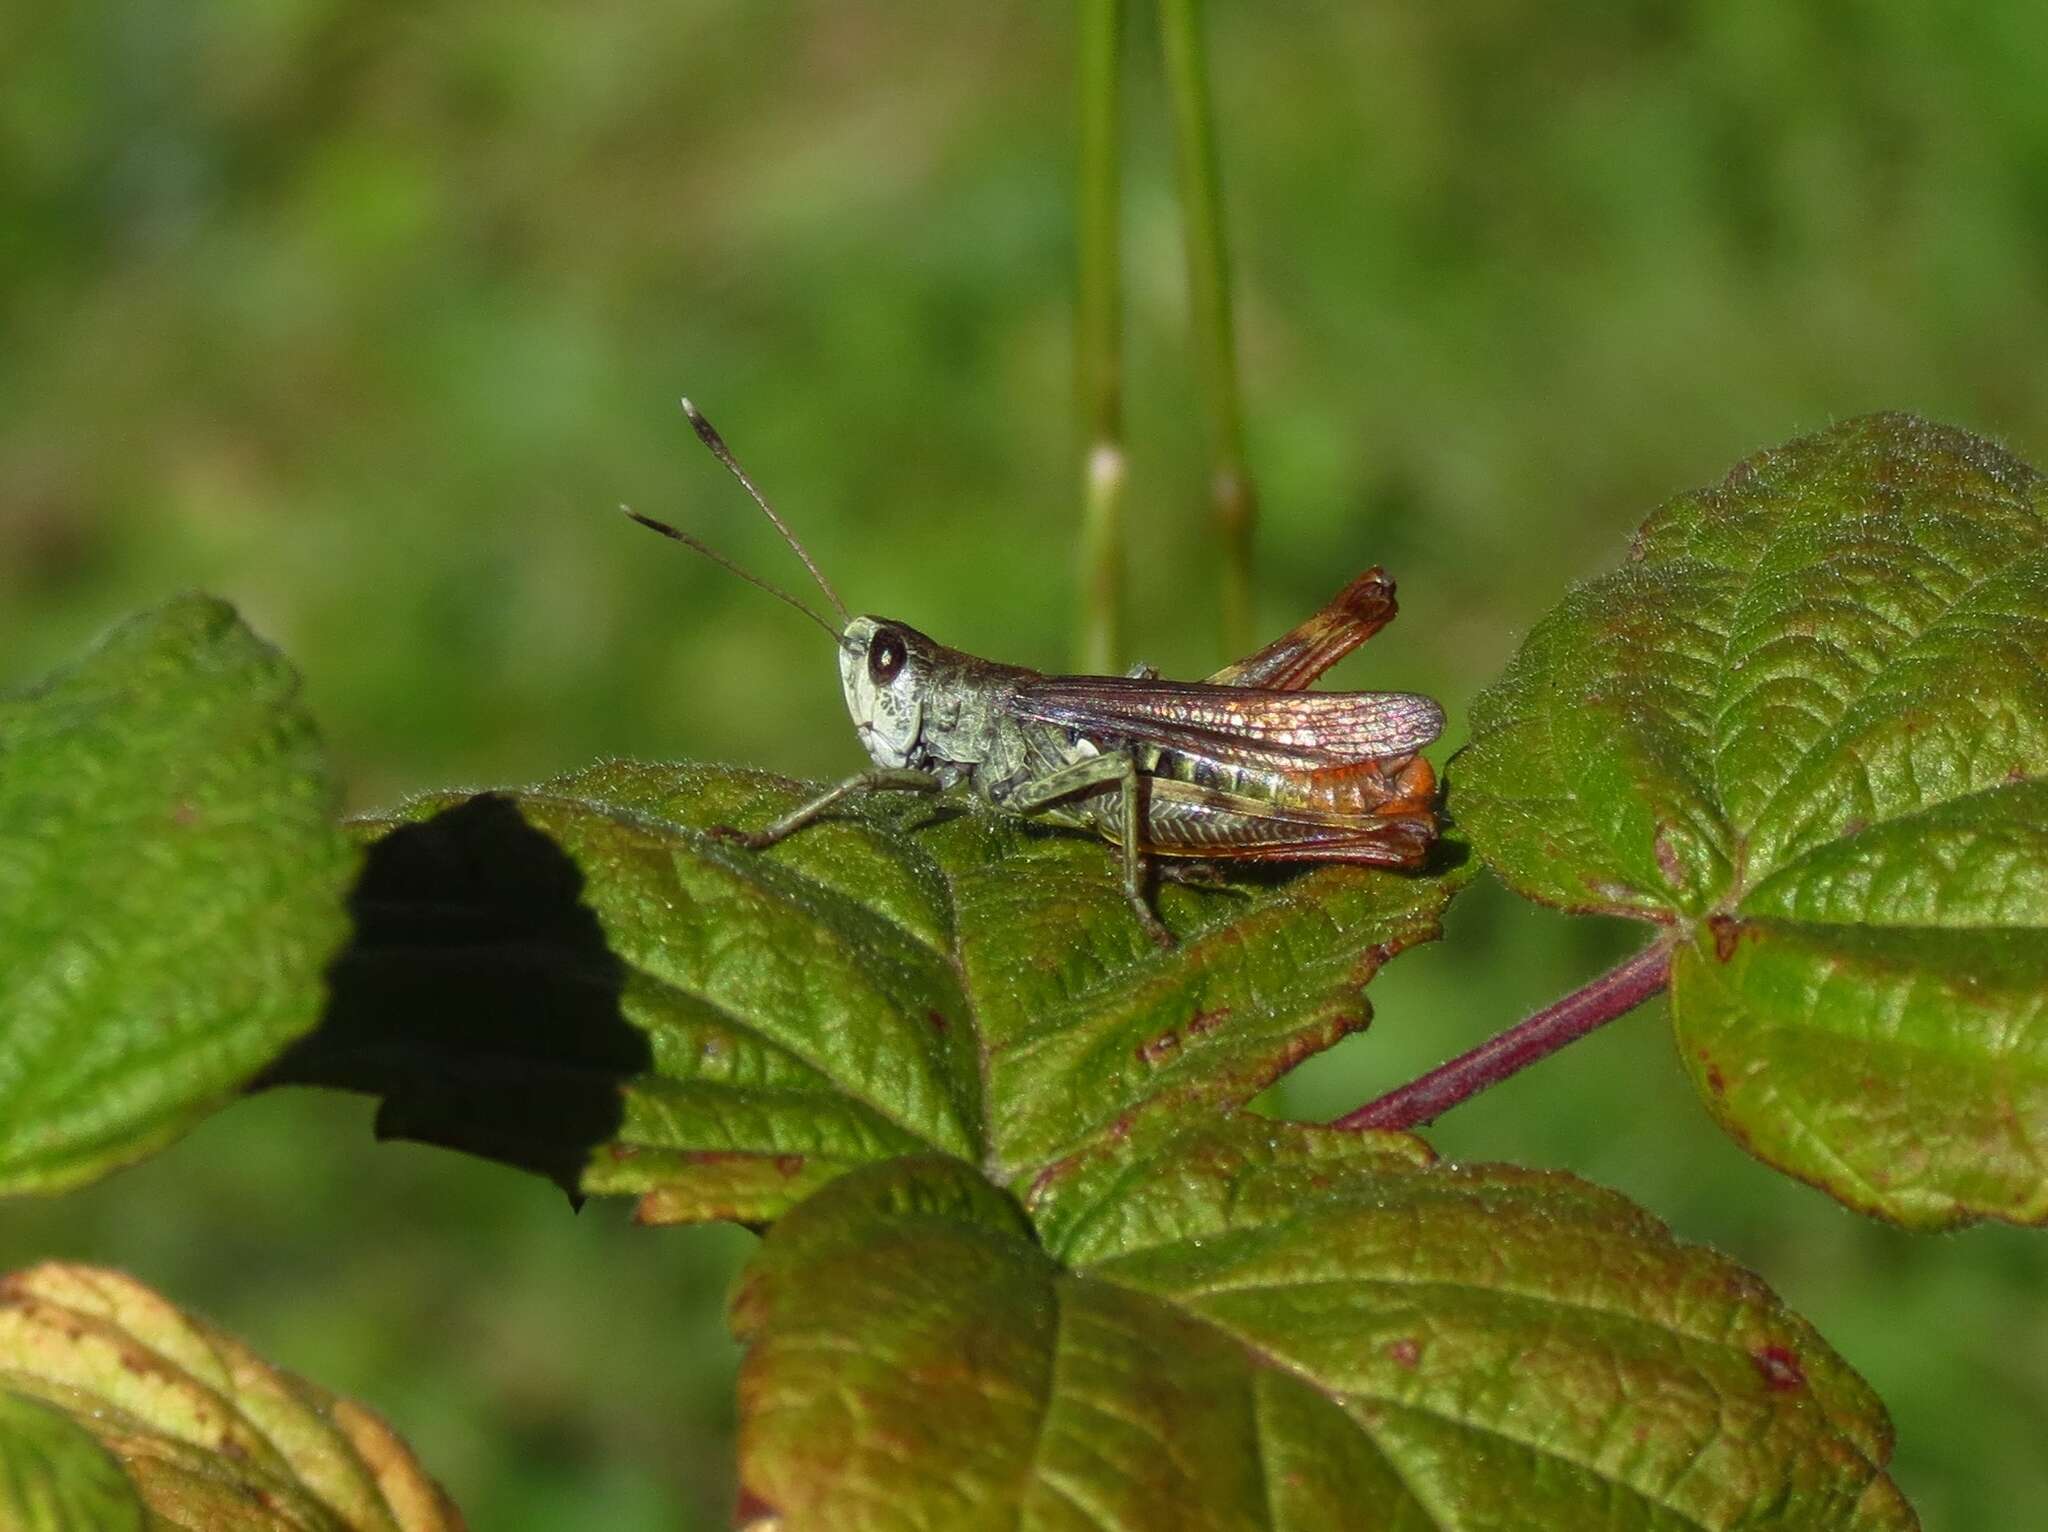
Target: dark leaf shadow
<point>477,997</point>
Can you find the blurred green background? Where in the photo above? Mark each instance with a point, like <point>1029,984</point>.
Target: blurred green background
<point>366,314</point>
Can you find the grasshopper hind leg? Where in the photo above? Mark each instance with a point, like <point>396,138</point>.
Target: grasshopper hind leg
<point>1092,775</point>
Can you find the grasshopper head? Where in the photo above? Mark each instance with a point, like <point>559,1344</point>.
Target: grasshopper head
<point>885,668</point>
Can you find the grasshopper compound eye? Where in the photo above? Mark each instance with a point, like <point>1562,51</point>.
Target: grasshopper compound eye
<point>885,657</point>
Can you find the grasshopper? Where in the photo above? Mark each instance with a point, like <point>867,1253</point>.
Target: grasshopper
<point>1243,766</point>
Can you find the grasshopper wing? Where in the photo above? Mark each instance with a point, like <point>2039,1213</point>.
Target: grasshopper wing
<point>1235,725</point>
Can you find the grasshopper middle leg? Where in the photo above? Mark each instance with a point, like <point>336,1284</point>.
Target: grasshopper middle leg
<point>1097,771</point>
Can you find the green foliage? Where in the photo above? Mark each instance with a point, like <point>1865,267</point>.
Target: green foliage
<point>937,1053</point>
<point>207,1435</point>
<point>876,986</point>
<point>1024,1220</point>
<point>1807,726</point>
<point>54,1477</point>
<point>169,890</point>
<point>1265,1326</point>
<point>303,303</point>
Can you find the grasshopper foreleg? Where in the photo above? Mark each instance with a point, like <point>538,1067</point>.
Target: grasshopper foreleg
<point>1121,768</point>
<point>881,780</point>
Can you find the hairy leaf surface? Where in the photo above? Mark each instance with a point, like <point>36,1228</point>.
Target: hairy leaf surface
<point>1807,725</point>
<point>580,978</point>
<point>170,890</point>
<point>1269,1326</point>
<point>185,1422</point>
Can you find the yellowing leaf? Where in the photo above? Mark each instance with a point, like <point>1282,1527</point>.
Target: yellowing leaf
<point>205,1433</point>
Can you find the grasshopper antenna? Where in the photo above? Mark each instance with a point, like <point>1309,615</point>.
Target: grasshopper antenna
<point>721,560</point>
<point>723,453</point>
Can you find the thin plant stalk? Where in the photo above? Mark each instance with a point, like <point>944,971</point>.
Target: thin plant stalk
<point>1098,338</point>
<point>1201,196</point>
<point>1615,993</point>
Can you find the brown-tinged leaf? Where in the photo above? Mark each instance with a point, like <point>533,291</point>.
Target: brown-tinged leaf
<point>206,1435</point>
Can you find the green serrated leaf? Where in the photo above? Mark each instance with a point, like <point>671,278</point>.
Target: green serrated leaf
<point>579,979</point>
<point>205,1433</point>
<point>170,890</point>
<point>1270,1326</point>
<point>1807,724</point>
<point>55,1478</point>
